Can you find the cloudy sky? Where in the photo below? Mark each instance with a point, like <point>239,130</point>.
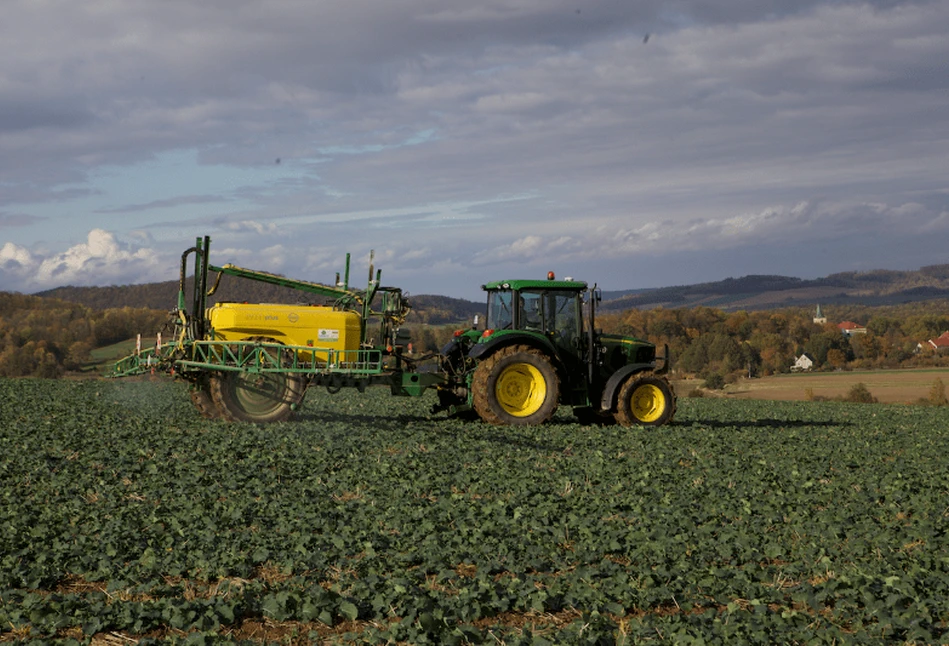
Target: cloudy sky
<point>636,143</point>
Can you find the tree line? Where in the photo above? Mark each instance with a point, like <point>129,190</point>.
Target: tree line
<point>722,346</point>
<point>705,341</point>
<point>43,337</point>
<point>47,337</point>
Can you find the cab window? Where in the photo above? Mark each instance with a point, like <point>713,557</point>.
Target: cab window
<point>550,312</point>
<point>530,312</point>
<point>500,315</point>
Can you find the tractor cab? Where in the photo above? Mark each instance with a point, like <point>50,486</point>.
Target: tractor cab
<point>546,316</point>
<point>548,308</point>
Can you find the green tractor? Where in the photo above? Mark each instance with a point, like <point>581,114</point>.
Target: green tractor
<point>538,351</point>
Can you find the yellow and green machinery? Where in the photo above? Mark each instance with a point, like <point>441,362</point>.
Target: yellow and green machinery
<point>538,349</point>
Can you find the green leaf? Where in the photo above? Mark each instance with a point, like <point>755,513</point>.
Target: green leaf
<point>348,610</point>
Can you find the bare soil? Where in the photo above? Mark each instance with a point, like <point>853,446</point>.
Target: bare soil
<point>888,386</point>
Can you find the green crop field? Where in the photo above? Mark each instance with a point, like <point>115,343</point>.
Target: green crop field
<point>124,517</point>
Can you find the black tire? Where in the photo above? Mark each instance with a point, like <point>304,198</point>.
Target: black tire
<point>261,397</point>
<point>201,397</point>
<point>516,385</point>
<point>645,399</point>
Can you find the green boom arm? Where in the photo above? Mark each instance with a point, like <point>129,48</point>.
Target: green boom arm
<point>344,297</point>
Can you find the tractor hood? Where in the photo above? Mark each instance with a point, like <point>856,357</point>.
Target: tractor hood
<point>620,350</point>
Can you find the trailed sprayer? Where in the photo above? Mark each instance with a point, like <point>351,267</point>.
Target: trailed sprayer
<point>538,348</point>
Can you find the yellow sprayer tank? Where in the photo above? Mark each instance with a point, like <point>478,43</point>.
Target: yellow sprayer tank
<point>302,325</point>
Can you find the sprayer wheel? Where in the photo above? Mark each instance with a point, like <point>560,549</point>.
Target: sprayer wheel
<point>258,397</point>
<point>201,397</point>
<point>261,398</point>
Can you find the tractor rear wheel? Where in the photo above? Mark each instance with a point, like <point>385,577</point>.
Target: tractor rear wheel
<point>645,399</point>
<point>516,385</point>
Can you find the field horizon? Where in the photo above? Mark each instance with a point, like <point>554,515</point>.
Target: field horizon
<point>897,386</point>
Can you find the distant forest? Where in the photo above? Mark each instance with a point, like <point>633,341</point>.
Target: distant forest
<point>708,341</point>
<point>44,337</point>
<point>750,293</point>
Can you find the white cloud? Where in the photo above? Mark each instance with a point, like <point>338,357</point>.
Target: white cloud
<point>528,250</point>
<point>17,260</point>
<point>100,260</point>
<point>796,225</point>
<point>511,102</point>
<point>260,228</point>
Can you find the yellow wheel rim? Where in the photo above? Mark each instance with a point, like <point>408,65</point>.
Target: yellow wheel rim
<point>521,389</point>
<point>648,403</point>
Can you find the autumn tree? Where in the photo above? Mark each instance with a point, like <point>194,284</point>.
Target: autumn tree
<point>820,344</point>
<point>836,358</point>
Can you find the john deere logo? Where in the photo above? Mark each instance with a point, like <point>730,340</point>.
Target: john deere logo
<point>293,317</point>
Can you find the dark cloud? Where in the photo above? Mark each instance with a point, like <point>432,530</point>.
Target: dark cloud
<point>18,220</point>
<point>15,116</point>
<point>184,200</point>
<point>498,133</point>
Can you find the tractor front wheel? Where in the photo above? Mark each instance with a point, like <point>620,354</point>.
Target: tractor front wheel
<point>516,385</point>
<point>645,399</point>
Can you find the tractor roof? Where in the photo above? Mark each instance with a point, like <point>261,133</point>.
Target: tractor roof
<point>505,285</point>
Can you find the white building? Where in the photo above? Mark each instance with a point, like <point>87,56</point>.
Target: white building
<point>803,363</point>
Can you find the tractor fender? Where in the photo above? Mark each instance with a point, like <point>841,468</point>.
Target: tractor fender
<point>616,380</point>
<point>450,347</point>
<point>461,340</point>
<point>503,340</point>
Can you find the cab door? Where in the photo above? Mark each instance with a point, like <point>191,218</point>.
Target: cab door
<point>563,325</point>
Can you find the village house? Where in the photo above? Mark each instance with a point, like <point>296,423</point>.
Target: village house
<point>849,328</point>
<point>941,342</point>
<point>803,363</point>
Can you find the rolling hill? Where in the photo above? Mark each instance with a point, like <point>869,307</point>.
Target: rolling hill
<point>431,309</point>
<point>756,292</point>
<point>873,288</point>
